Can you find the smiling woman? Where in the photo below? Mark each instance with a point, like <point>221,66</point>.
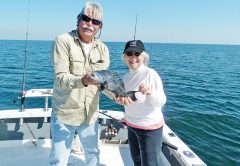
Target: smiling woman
<point>144,119</point>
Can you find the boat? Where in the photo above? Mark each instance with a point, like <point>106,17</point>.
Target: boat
<point>25,138</point>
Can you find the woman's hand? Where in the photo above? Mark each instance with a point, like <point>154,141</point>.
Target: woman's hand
<point>123,100</point>
<point>144,89</point>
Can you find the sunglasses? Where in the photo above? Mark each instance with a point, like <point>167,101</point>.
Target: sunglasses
<point>88,19</point>
<point>133,53</point>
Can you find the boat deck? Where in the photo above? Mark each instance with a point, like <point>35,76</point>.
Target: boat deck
<point>26,153</point>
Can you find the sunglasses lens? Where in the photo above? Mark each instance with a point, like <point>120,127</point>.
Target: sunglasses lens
<point>129,53</point>
<point>137,54</point>
<point>96,22</point>
<point>85,18</point>
<point>88,19</point>
<point>133,53</point>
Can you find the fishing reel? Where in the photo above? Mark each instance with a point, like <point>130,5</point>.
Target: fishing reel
<point>110,132</point>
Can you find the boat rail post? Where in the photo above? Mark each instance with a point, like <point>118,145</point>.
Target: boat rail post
<point>20,121</point>
<point>46,107</point>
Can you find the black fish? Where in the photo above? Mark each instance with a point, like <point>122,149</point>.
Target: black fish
<point>113,83</point>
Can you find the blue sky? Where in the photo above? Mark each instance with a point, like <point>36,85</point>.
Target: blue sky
<point>162,21</point>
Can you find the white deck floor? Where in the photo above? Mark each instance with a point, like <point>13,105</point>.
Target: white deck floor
<point>27,154</point>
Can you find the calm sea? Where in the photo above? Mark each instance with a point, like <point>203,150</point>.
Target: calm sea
<point>202,84</point>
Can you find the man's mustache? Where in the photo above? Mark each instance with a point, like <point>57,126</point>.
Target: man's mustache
<point>90,28</point>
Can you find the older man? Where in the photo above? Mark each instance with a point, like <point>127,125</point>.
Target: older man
<point>75,100</point>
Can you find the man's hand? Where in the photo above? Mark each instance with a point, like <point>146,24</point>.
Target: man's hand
<point>87,80</point>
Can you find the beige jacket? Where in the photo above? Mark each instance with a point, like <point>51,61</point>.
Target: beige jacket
<point>73,103</point>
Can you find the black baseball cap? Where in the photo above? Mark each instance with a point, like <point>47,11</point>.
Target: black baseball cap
<point>134,46</point>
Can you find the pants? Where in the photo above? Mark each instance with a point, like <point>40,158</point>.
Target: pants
<point>145,146</point>
<point>62,137</point>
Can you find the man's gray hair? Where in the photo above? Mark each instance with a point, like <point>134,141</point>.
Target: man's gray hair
<point>92,8</point>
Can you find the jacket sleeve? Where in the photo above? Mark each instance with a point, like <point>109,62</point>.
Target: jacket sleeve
<point>103,49</point>
<point>157,97</point>
<point>61,63</point>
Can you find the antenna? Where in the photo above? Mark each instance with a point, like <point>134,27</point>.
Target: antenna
<point>23,92</point>
<point>135,28</point>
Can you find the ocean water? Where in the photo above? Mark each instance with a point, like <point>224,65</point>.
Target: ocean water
<point>202,84</point>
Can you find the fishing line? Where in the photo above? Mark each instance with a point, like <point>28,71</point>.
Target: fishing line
<point>34,138</point>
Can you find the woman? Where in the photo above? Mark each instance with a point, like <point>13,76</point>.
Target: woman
<point>144,116</point>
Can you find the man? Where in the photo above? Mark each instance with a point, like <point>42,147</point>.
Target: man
<point>75,100</point>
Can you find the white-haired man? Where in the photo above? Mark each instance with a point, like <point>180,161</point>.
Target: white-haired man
<point>75,100</point>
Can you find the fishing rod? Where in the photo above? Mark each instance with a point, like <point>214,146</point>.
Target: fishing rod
<point>135,31</point>
<point>124,125</point>
<point>23,91</point>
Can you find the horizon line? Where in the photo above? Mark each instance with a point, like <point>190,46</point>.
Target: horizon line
<point>193,43</point>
